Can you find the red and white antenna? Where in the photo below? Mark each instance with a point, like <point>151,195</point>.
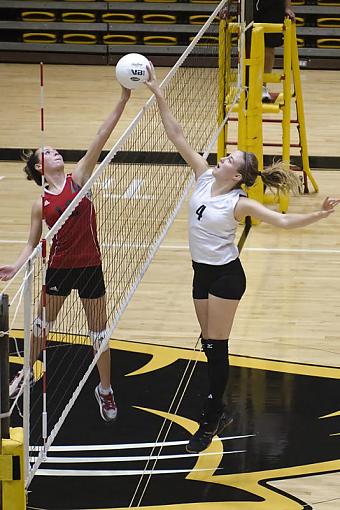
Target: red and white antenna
<point>44,263</point>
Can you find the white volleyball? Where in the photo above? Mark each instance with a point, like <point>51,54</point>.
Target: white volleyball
<point>131,70</point>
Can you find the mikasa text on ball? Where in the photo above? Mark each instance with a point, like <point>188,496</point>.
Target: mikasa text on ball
<point>131,70</point>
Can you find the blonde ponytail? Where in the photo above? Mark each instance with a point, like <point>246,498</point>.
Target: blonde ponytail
<point>278,177</point>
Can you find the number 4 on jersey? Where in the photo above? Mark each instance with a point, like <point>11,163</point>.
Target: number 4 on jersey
<point>200,211</point>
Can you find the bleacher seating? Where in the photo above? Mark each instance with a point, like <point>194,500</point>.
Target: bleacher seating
<point>78,17</point>
<point>164,30</point>
<point>118,17</point>
<point>38,16</point>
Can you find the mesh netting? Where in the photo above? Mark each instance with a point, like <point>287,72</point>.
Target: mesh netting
<point>134,196</point>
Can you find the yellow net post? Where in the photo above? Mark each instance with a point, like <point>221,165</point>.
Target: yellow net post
<point>12,471</point>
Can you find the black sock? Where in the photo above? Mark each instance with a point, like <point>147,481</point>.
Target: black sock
<point>216,352</point>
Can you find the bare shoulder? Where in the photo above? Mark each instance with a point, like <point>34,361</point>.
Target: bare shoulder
<point>37,208</point>
<point>250,207</point>
<point>242,207</point>
<point>201,168</point>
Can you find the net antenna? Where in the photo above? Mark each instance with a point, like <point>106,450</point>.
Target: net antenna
<point>135,193</point>
<point>43,264</point>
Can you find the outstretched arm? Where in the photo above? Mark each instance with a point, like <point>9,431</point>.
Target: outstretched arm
<point>248,207</point>
<point>7,272</point>
<point>85,166</point>
<point>173,128</point>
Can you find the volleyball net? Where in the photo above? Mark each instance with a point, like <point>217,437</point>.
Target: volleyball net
<point>134,195</point>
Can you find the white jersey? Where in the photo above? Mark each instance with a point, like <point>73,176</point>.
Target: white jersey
<point>212,225</point>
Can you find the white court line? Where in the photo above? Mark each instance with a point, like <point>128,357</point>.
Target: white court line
<point>186,247</point>
<point>91,472</point>
<point>126,446</point>
<point>293,250</point>
<point>133,190</point>
<point>9,241</point>
<point>89,460</point>
<point>271,250</point>
<point>2,177</point>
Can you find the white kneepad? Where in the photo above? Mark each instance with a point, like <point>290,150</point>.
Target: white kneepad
<point>98,337</point>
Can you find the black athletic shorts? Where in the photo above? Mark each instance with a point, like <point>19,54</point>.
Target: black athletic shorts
<point>88,281</point>
<point>270,11</point>
<point>227,281</point>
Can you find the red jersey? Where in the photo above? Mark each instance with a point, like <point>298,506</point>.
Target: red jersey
<point>75,244</point>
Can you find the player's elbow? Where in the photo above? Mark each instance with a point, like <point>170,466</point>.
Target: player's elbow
<point>175,134</point>
<point>284,222</point>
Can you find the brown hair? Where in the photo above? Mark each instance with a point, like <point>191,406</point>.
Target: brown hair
<point>276,177</point>
<point>31,158</point>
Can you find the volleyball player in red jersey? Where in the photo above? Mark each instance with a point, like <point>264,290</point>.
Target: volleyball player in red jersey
<point>75,259</point>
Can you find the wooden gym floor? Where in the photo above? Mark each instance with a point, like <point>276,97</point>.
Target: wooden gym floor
<point>291,310</point>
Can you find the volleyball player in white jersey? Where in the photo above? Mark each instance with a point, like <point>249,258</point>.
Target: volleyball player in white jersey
<point>217,205</point>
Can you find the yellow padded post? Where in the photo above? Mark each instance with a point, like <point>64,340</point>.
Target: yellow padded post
<point>253,141</point>
<point>13,491</point>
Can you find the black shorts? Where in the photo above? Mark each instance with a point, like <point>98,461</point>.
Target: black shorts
<point>270,11</point>
<point>88,281</point>
<point>227,281</point>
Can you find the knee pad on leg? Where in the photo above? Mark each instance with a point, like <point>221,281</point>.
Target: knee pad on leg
<point>98,337</point>
<point>215,350</point>
<point>37,327</point>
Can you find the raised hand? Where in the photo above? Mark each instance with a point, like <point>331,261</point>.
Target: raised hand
<point>224,12</point>
<point>290,14</point>
<point>152,82</point>
<point>7,272</point>
<point>329,204</point>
